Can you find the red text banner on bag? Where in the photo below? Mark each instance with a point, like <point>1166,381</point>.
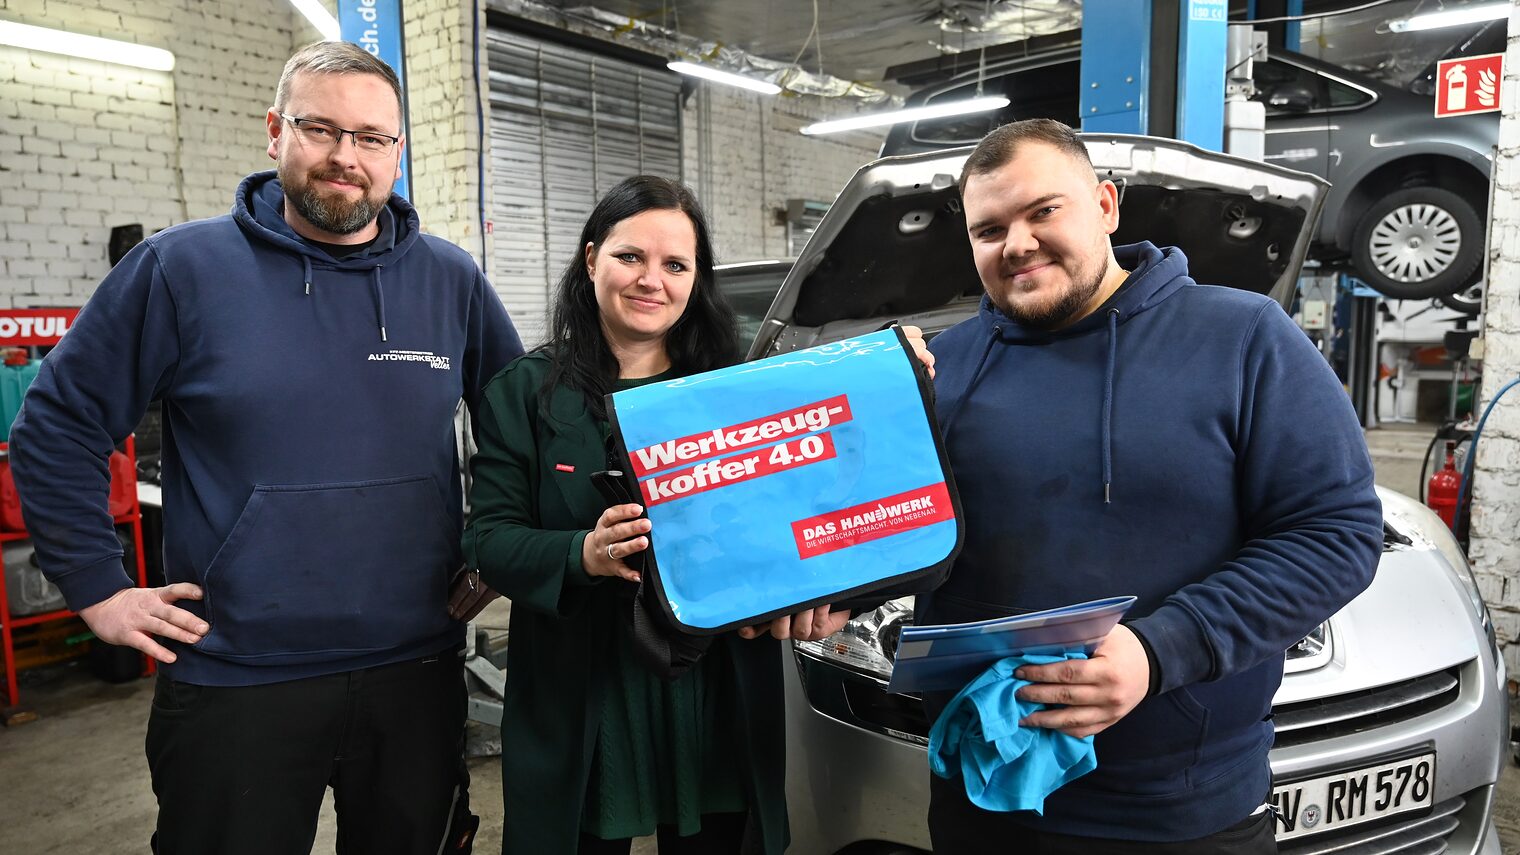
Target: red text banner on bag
<point>698,446</point>
<point>712,474</point>
<point>872,520</point>
<point>22,327</point>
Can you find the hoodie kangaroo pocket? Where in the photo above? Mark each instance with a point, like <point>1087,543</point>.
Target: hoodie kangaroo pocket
<point>313,572</point>
<point>1154,750</point>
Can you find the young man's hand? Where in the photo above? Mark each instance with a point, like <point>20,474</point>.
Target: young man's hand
<point>1094,693</point>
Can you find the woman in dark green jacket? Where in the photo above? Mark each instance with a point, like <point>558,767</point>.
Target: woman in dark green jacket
<point>595,749</point>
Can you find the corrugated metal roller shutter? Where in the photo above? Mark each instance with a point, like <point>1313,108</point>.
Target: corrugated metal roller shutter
<point>566,125</point>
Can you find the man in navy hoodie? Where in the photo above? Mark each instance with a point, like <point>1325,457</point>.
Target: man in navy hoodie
<point>309,349</point>
<point>1117,428</point>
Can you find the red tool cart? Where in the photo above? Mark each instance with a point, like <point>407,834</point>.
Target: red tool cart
<point>40,327</point>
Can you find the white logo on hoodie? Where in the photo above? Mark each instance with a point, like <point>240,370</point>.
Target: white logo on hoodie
<point>441,363</point>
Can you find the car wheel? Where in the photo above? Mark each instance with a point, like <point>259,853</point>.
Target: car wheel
<point>1418,243</point>
<point>1468,300</point>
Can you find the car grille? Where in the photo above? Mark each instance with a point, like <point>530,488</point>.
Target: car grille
<point>1296,724</point>
<point>1429,834</point>
<point>1339,715</point>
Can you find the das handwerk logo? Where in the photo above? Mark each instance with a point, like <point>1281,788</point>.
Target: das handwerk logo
<point>433,360</point>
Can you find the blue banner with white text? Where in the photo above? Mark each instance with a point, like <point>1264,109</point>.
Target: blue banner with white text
<point>376,26</point>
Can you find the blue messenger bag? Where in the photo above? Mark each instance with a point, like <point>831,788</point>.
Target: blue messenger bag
<point>812,478</point>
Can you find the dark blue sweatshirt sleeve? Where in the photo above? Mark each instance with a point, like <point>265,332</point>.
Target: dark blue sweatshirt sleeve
<point>493,342</point>
<point>1312,521</point>
<point>93,388</point>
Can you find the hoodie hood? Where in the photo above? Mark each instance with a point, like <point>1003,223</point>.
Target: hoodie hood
<point>1155,275</point>
<point>258,208</point>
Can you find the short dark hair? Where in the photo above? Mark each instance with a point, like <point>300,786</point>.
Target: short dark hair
<point>705,337</point>
<point>999,147</point>
<point>334,58</point>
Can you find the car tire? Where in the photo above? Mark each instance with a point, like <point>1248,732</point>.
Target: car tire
<point>1468,299</point>
<point>1418,243</point>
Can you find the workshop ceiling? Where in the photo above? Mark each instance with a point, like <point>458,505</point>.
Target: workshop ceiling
<point>861,39</point>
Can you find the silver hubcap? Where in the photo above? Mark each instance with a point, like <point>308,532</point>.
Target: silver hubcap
<point>1415,243</point>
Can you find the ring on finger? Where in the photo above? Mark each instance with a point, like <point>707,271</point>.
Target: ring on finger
<point>610,556</point>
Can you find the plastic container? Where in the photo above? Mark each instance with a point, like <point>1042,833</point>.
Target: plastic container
<point>16,376</point>
<point>29,592</point>
<point>123,485</point>
<point>10,502</point>
<point>118,502</point>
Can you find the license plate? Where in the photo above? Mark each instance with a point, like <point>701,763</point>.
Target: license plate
<point>1344,799</point>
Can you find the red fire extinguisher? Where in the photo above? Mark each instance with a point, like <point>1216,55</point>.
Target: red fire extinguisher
<point>1445,488</point>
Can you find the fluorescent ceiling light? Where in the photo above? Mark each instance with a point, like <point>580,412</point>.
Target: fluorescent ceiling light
<point>85,47</point>
<point>764,87</point>
<point>911,114</point>
<point>1451,17</point>
<point>320,18</point>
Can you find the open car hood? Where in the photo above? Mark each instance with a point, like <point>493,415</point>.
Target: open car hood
<point>893,246</point>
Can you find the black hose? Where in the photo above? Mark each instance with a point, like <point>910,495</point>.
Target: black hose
<point>1425,462</point>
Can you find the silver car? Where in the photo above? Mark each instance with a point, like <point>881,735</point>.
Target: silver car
<point>1392,716</point>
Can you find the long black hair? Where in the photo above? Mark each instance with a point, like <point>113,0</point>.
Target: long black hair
<point>703,338</point>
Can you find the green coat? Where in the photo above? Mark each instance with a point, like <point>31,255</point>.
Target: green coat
<point>528,520</point>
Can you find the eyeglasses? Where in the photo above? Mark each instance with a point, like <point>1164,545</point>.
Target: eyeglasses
<point>323,135</point>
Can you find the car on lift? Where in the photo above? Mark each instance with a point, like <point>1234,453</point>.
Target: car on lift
<point>1408,671</point>
<point>1409,192</point>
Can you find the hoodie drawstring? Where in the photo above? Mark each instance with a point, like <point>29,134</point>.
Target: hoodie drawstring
<point>1108,407</point>
<point>379,298</point>
<point>971,384</point>
<point>374,291</point>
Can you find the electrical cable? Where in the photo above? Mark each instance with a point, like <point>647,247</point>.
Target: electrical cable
<point>1330,14</point>
<point>1472,456</point>
<point>805,42</point>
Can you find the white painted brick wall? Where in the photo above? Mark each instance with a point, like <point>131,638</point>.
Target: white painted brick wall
<point>444,138</point>
<point>1495,548</point>
<point>88,145</point>
<point>744,156</point>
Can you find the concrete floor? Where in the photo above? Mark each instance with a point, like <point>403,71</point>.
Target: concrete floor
<point>75,780</point>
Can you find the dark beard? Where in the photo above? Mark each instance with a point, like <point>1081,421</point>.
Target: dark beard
<point>1063,311</point>
<point>333,214</point>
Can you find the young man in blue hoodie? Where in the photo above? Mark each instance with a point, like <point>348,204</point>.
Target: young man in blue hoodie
<point>309,350</point>
<point>1116,428</point>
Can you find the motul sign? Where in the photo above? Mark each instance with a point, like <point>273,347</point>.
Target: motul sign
<point>20,327</point>
<point>1469,84</point>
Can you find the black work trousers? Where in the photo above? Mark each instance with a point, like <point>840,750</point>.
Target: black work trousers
<point>243,770</point>
<point>958,827</point>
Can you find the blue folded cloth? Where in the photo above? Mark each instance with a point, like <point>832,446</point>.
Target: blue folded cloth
<point>1006,767</point>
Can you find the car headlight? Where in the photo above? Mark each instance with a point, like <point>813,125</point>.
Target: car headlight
<point>1312,651</point>
<point>867,644</point>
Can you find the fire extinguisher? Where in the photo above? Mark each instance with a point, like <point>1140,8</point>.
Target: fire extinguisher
<point>1445,487</point>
